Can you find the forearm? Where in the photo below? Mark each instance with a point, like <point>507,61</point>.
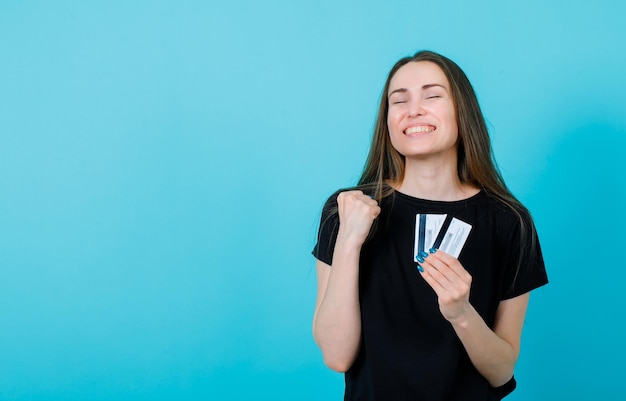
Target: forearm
<point>490,354</point>
<point>337,322</point>
<point>493,351</point>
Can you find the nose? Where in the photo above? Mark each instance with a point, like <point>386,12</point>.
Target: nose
<point>416,109</point>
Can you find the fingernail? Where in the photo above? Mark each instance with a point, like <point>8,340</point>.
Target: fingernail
<point>423,254</point>
<point>433,250</point>
<point>419,258</point>
<point>420,268</point>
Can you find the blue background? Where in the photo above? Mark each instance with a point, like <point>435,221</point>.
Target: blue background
<point>163,165</point>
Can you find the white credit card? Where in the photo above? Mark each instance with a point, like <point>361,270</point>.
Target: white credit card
<point>428,234</point>
<point>455,237</point>
<point>427,226</point>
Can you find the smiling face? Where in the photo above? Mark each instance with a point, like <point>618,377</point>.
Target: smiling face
<point>421,118</point>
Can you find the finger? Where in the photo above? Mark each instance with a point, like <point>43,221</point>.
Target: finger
<point>437,265</point>
<point>451,279</point>
<point>430,279</point>
<point>451,262</point>
<point>359,196</point>
<point>368,199</point>
<point>356,195</point>
<point>435,273</point>
<point>355,203</point>
<point>447,291</point>
<point>436,287</point>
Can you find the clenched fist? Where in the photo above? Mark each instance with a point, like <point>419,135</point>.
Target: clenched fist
<point>357,213</point>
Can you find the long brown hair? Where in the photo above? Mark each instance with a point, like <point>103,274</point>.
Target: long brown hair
<point>475,165</point>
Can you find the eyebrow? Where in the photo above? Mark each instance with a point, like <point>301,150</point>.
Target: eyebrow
<point>424,87</point>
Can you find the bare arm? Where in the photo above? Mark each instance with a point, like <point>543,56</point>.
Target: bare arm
<point>493,352</point>
<point>337,318</point>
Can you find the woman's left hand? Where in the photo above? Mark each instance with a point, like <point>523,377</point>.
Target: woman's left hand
<point>451,283</point>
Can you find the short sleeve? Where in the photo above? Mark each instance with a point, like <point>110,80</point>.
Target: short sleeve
<point>327,233</point>
<point>523,260</point>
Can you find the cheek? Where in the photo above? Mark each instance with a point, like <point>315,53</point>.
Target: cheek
<point>394,133</point>
<point>451,115</point>
<point>393,120</point>
<point>454,127</point>
<point>395,139</point>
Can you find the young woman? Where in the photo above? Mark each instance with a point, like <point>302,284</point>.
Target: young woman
<point>406,322</point>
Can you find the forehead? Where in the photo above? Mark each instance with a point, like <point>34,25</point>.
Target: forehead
<point>418,74</point>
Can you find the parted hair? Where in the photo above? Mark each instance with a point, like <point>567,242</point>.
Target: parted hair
<point>475,161</point>
<point>385,166</point>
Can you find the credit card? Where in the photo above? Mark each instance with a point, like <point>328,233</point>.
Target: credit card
<point>427,226</point>
<point>451,240</point>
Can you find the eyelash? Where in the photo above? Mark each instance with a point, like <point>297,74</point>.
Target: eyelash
<point>427,97</point>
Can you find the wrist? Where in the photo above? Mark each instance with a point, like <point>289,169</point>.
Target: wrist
<point>349,242</point>
<point>464,319</point>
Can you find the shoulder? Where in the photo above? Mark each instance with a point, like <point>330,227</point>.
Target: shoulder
<point>331,202</point>
<point>331,207</point>
<point>507,215</point>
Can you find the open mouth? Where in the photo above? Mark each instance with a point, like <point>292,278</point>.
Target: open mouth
<point>419,129</point>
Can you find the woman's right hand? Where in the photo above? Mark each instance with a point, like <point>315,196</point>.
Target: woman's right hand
<point>337,319</point>
<point>357,213</point>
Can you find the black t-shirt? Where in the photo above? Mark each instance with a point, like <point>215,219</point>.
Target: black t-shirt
<point>408,350</point>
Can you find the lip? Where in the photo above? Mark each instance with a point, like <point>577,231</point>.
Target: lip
<point>419,129</point>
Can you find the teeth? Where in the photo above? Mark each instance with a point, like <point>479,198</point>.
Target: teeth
<point>419,129</point>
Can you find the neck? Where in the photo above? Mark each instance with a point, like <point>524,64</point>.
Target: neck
<point>434,180</point>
